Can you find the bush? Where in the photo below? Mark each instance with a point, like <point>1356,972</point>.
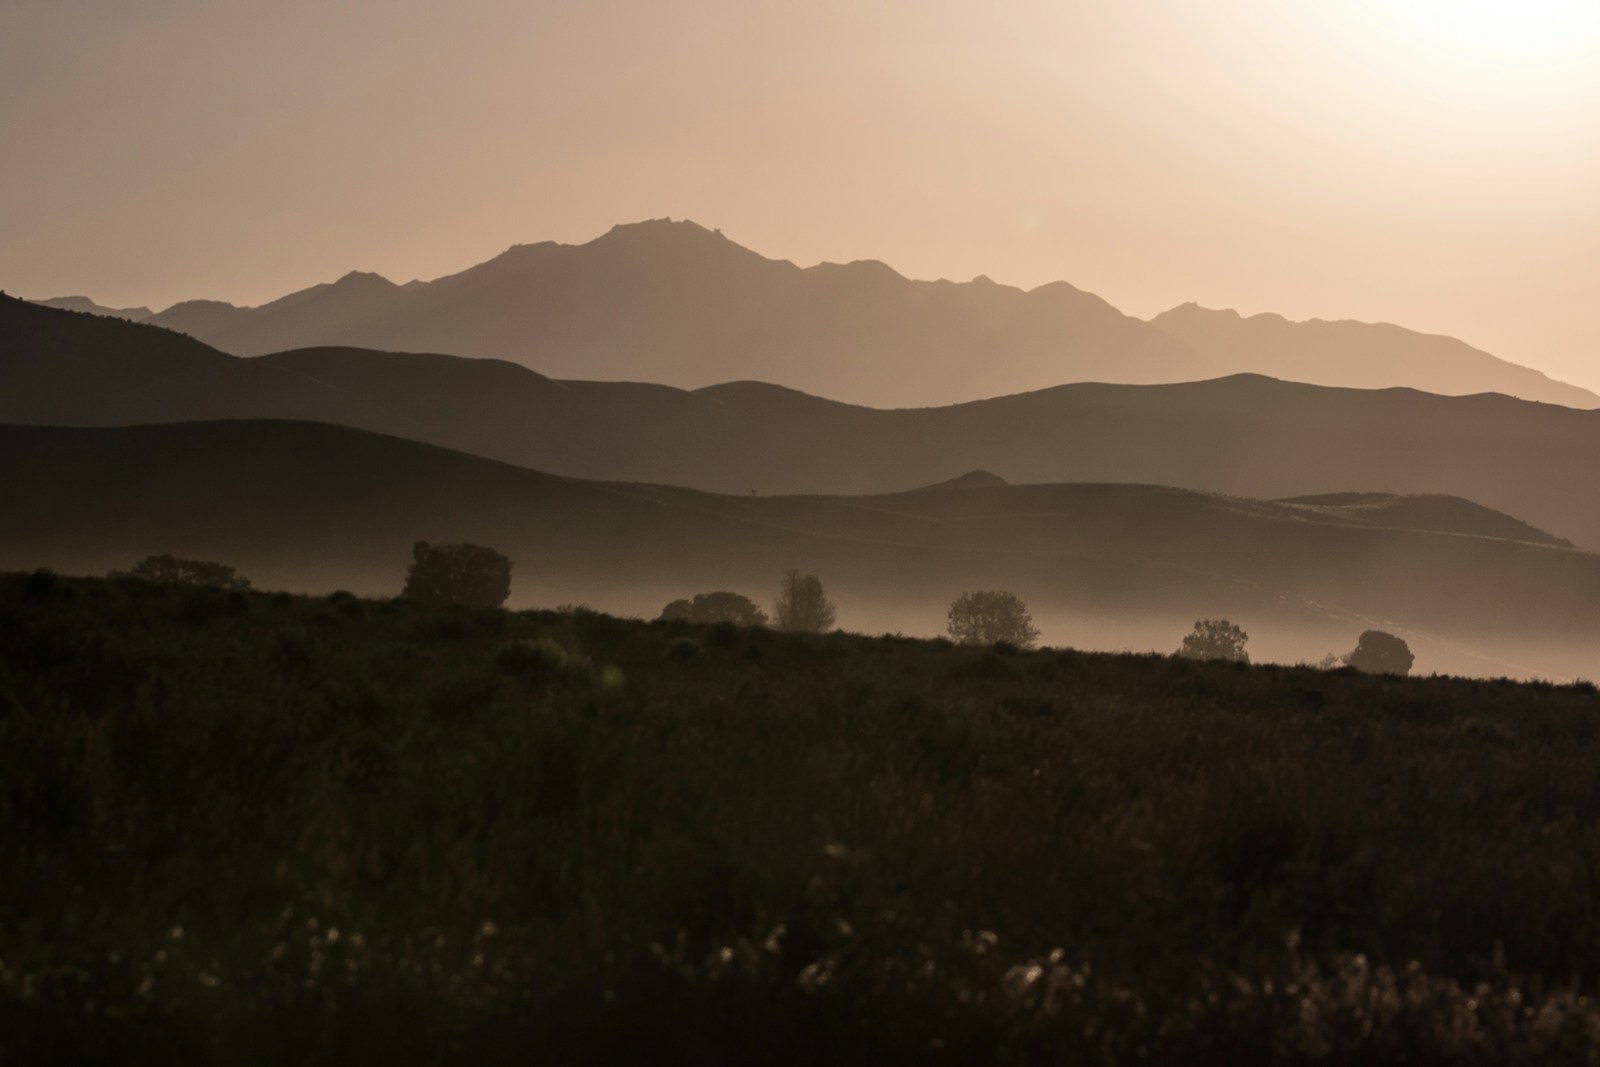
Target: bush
<point>1381,653</point>
<point>715,607</point>
<point>467,574</point>
<point>1216,639</point>
<point>992,617</point>
<point>539,661</point>
<point>175,571</point>
<point>44,585</point>
<point>683,648</point>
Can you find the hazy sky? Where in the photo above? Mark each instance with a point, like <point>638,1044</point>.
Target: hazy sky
<point>1430,162</point>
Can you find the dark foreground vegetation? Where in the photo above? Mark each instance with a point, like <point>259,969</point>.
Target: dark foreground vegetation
<point>251,828</point>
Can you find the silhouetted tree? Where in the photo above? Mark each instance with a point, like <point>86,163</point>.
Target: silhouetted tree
<point>168,568</point>
<point>467,574</point>
<point>716,607</point>
<point>1216,639</point>
<point>1379,653</point>
<point>802,606</point>
<point>987,617</point>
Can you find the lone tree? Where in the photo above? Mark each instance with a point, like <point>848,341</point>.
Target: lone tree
<point>988,617</point>
<point>167,568</point>
<point>467,574</point>
<point>1216,639</point>
<point>802,606</point>
<point>1380,653</point>
<point>716,607</point>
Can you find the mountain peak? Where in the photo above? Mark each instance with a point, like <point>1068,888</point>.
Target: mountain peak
<point>364,280</point>
<point>681,245</point>
<point>974,479</point>
<point>663,229</point>
<point>1192,311</point>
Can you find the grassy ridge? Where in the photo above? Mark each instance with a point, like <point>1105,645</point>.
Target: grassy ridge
<point>265,828</point>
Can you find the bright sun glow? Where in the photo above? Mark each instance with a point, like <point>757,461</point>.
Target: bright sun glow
<point>1542,41</point>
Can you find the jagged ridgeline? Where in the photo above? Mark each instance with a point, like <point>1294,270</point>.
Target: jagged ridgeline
<point>676,303</point>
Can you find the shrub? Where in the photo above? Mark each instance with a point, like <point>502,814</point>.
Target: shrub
<point>467,574</point>
<point>176,571</point>
<point>683,648</point>
<point>204,605</point>
<point>539,661</point>
<point>715,607</point>
<point>44,585</point>
<point>992,617</point>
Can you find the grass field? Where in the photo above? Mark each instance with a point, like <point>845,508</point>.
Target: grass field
<point>257,828</point>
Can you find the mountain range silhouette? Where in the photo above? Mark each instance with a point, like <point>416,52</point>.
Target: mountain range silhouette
<point>682,305</point>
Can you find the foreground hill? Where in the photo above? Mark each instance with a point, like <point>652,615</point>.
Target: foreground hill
<point>309,506</point>
<point>264,829</point>
<point>1245,435</point>
<point>675,303</point>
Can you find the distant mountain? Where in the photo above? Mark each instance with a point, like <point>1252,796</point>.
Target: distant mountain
<point>1245,435</point>
<point>675,303</point>
<point>1359,354</point>
<point>83,303</point>
<point>679,304</point>
<point>312,506</point>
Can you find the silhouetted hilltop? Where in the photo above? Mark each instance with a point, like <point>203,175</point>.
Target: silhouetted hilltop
<point>677,303</point>
<point>1246,435</point>
<point>1360,354</point>
<point>66,368</point>
<point>304,505</point>
<point>83,303</point>
<point>969,480</point>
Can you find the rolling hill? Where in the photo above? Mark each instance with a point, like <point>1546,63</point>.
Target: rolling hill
<point>1244,435</point>
<point>676,303</point>
<point>313,506</point>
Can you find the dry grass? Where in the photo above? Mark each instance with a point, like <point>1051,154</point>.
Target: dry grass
<point>273,829</point>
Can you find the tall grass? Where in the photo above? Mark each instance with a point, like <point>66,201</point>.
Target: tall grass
<point>254,828</point>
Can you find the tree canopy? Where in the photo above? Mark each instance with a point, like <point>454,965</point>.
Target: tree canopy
<point>1216,639</point>
<point>716,607</point>
<point>802,606</point>
<point>467,574</point>
<point>169,568</point>
<point>987,617</point>
<point>1377,652</point>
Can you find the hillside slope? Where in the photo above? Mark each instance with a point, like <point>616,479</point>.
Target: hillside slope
<point>312,506</point>
<point>1244,435</point>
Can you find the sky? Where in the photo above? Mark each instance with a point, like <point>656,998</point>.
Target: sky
<point>1428,162</point>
